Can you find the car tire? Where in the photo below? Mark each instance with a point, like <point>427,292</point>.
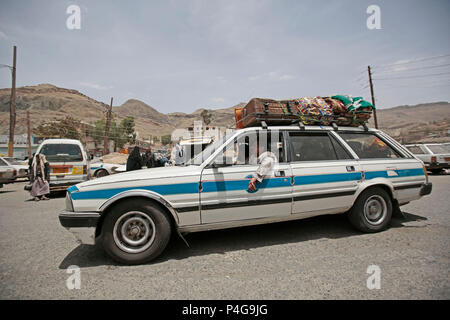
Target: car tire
<point>372,211</point>
<point>436,171</point>
<point>101,173</point>
<point>135,231</point>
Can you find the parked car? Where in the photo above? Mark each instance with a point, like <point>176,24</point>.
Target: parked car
<point>8,174</point>
<point>189,148</point>
<point>320,170</point>
<point>436,156</point>
<point>22,170</point>
<point>69,162</point>
<point>100,169</point>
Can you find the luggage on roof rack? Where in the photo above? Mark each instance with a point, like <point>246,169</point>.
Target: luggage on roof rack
<point>340,110</point>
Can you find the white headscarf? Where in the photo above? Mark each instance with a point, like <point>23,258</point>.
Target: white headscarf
<point>43,161</point>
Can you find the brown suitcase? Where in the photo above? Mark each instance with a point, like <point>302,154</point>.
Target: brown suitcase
<point>268,110</point>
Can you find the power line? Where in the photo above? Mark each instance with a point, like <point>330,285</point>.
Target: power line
<point>412,69</point>
<point>5,66</point>
<point>413,61</point>
<point>399,87</point>
<point>411,77</point>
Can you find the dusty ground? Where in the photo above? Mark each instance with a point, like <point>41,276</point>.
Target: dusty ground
<point>317,258</point>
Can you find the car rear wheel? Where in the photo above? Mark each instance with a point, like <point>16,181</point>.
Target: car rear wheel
<point>135,231</point>
<point>372,210</point>
<point>101,173</point>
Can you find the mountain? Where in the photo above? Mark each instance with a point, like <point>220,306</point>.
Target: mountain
<point>407,116</point>
<point>46,102</point>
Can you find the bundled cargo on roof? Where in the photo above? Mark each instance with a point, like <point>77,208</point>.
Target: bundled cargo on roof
<point>340,109</point>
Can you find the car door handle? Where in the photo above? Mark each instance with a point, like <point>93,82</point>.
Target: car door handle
<point>281,173</point>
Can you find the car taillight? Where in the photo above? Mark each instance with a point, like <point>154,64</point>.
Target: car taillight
<point>426,173</point>
<point>15,172</point>
<point>433,159</point>
<point>85,169</point>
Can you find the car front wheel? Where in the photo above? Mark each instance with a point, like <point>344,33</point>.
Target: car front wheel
<point>135,231</point>
<point>372,210</point>
<point>101,173</point>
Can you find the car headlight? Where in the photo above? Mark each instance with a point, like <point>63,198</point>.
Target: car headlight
<point>69,204</point>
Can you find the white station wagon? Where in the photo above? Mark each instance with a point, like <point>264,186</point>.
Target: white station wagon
<point>320,170</point>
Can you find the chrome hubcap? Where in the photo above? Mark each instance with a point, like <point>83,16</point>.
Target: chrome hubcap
<point>375,209</point>
<point>134,232</point>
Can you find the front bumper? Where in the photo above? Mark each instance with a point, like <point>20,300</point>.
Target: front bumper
<point>57,185</point>
<point>81,224</point>
<point>63,185</point>
<point>426,189</point>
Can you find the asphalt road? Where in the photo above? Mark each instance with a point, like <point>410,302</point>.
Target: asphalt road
<point>316,258</point>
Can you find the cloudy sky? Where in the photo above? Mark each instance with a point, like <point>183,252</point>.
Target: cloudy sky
<point>182,55</point>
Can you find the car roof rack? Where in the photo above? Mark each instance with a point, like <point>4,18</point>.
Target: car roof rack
<point>366,128</point>
<point>301,125</point>
<point>263,124</point>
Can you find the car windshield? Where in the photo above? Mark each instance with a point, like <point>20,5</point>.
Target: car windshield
<point>437,148</point>
<point>209,150</point>
<point>62,152</point>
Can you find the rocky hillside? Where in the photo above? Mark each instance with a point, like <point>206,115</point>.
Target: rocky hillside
<point>47,101</point>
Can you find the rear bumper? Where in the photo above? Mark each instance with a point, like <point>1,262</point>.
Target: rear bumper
<point>81,224</point>
<point>64,184</point>
<point>437,166</point>
<point>426,189</point>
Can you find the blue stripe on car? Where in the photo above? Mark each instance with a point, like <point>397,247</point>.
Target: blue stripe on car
<point>400,173</point>
<point>326,178</point>
<point>234,185</point>
<point>72,189</point>
<point>178,188</point>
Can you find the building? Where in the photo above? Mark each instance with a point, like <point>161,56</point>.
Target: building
<point>20,145</point>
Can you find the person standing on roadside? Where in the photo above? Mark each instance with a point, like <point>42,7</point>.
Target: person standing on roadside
<point>135,161</point>
<point>40,177</point>
<point>148,159</point>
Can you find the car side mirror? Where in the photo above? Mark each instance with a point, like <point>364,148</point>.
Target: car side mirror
<point>215,164</point>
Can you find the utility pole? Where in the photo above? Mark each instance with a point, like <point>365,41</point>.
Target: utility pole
<point>373,97</point>
<point>12,107</point>
<point>108,122</point>
<point>29,134</point>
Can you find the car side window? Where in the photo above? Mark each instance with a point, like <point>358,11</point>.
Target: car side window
<point>369,146</point>
<point>313,147</point>
<point>2,163</point>
<point>341,153</point>
<point>415,149</point>
<point>243,151</point>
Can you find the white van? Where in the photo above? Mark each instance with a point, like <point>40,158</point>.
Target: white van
<point>69,162</point>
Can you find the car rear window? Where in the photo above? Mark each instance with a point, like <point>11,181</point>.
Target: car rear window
<point>437,149</point>
<point>62,152</point>
<point>415,149</point>
<point>369,146</point>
